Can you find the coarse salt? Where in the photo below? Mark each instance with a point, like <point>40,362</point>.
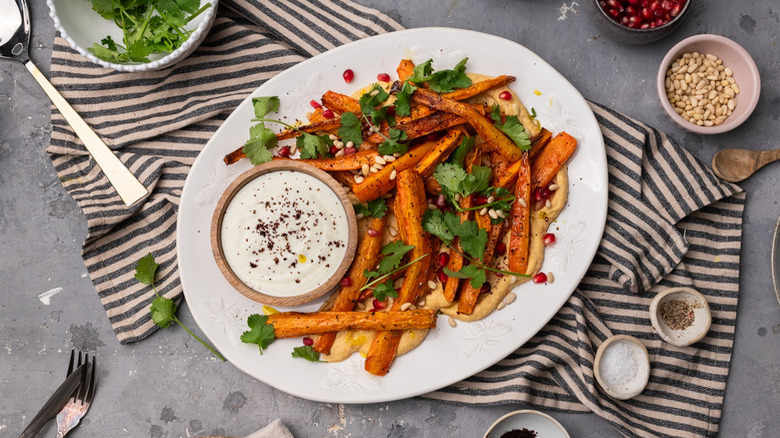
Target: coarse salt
<point>619,365</point>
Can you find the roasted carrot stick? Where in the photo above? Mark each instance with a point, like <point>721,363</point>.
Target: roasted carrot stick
<point>444,146</point>
<point>345,162</point>
<point>551,159</point>
<point>340,102</point>
<point>347,297</point>
<point>422,126</point>
<point>405,69</point>
<point>295,324</point>
<point>519,233</point>
<point>502,144</point>
<point>479,87</point>
<point>377,184</point>
<point>412,205</point>
<point>539,142</point>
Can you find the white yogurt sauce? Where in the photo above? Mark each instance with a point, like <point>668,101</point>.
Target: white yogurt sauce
<point>284,233</point>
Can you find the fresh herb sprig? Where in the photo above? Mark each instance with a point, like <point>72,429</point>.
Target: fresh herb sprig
<point>454,180</point>
<point>148,26</point>
<point>376,208</point>
<point>382,287</point>
<point>512,128</point>
<point>442,81</point>
<point>262,139</point>
<point>260,332</point>
<point>163,309</point>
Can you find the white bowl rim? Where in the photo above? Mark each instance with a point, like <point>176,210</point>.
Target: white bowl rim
<point>527,411</point>
<point>730,123</point>
<point>169,59</point>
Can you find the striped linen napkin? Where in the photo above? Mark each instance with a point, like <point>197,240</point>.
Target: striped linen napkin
<point>670,223</point>
<point>669,218</point>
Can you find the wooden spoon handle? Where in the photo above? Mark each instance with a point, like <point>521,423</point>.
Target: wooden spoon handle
<point>766,157</point>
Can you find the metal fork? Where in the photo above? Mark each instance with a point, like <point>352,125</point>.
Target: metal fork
<point>79,403</point>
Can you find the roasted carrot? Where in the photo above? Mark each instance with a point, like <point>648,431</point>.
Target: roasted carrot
<point>500,142</point>
<point>422,126</point>
<point>405,69</point>
<point>539,142</point>
<point>295,324</point>
<point>467,299</point>
<point>347,297</point>
<point>377,184</point>
<point>412,205</point>
<point>340,102</point>
<point>519,232</point>
<point>479,87</point>
<point>345,162</point>
<point>444,146</point>
<point>344,177</point>
<point>551,159</point>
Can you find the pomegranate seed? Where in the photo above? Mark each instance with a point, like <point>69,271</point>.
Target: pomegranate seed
<point>315,104</point>
<point>632,11</point>
<point>634,2</point>
<point>498,274</point>
<point>308,341</point>
<point>615,4</point>
<point>444,258</point>
<point>645,26</point>
<point>614,13</point>
<point>372,232</point>
<point>442,276</point>
<point>391,110</point>
<point>646,14</point>
<point>549,239</point>
<point>485,288</point>
<point>500,248</point>
<point>505,95</point>
<point>349,151</point>
<point>676,10</point>
<point>379,305</point>
<point>480,200</point>
<point>348,75</point>
<point>333,150</point>
<point>540,278</point>
<point>284,151</point>
<point>384,77</point>
<point>441,201</point>
<point>328,114</point>
<point>346,282</point>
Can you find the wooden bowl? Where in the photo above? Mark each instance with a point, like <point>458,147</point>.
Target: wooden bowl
<point>304,296</point>
<point>628,390</point>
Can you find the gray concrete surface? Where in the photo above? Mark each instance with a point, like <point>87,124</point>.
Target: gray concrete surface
<point>168,386</point>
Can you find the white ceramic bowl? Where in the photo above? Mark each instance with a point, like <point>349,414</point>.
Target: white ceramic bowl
<point>701,310</point>
<point>629,389</point>
<point>544,425</point>
<point>82,27</point>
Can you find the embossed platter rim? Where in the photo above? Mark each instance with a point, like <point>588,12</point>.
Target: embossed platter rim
<point>448,354</point>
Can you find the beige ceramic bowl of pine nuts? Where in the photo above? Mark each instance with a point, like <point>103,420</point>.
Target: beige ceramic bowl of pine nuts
<point>708,84</point>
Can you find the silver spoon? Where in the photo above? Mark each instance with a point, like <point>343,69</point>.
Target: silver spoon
<point>14,44</point>
<point>734,165</point>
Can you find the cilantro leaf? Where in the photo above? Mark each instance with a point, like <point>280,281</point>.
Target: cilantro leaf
<point>476,181</point>
<point>403,98</point>
<point>459,155</point>
<point>265,105</point>
<point>384,290</point>
<point>442,81</point>
<point>259,332</point>
<point>376,208</point>
<point>260,140</point>
<point>495,114</point>
<point>163,311</point>
<point>449,177</point>
<point>351,129</point>
<point>473,239</point>
<point>306,352</point>
<point>393,253</point>
<point>473,272</point>
<point>393,143</point>
<point>369,102</point>
<point>145,269</point>
<point>433,222</point>
<point>311,146</point>
<point>516,132</point>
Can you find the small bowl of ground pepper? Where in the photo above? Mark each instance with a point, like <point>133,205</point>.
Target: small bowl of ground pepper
<point>680,316</point>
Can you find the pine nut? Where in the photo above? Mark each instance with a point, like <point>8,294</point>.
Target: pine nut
<point>451,321</point>
<point>393,174</point>
<point>406,306</point>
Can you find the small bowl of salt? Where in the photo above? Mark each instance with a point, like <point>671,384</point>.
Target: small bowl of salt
<point>622,367</point>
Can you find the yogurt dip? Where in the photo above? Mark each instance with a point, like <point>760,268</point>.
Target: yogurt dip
<point>284,233</point>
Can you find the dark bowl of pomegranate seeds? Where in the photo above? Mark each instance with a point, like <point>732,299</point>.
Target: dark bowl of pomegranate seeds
<point>638,21</point>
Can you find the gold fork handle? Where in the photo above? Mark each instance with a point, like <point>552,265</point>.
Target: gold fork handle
<point>126,184</point>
